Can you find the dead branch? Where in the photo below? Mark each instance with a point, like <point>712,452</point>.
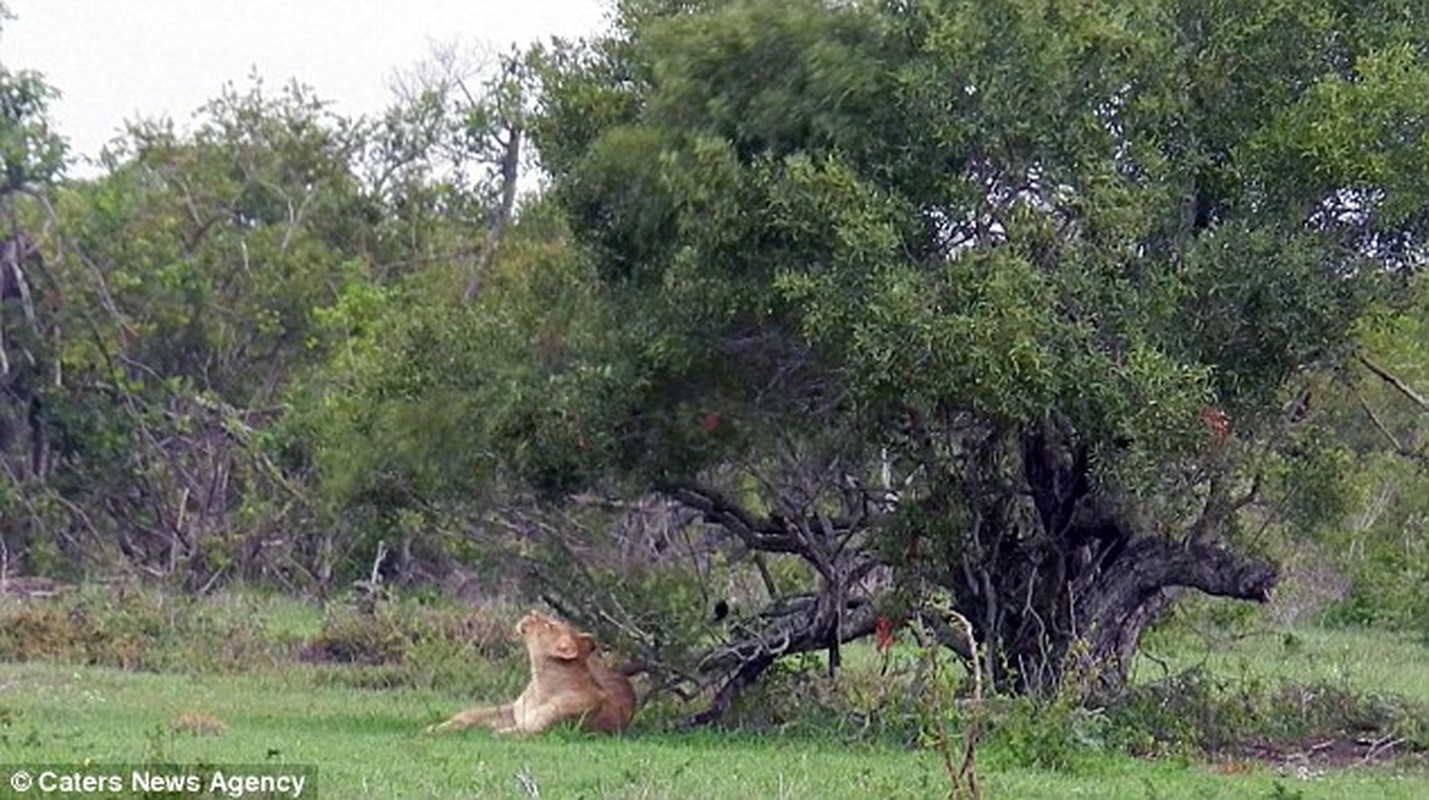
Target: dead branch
<point>1394,443</point>
<point>1394,380</point>
<point>510,163</point>
<point>766,535</point>
<point>794,629</point>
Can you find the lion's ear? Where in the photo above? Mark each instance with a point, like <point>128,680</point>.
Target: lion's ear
<point>586,643</point>
<point>566,648</point>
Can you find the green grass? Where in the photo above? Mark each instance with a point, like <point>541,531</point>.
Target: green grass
<point>368,744</point>
<point>1380,661</point>
<point>233,660</point>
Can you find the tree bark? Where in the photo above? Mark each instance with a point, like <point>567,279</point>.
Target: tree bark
<point>510,164</point>
<point>797,627</point>
<point>1062,579</point>
<point>1144,582</point>
<point>794,629</point>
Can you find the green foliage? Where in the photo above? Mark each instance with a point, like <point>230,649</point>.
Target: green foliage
<point>217,247</point>
<point>1216,714</point>
<point>438,401</point>
<point>777,238</point>
<point>403,644</point>
<point>1136,226</point>
<point>140,630</point>
<point>1384,549</point>
<point>795,168</point>
<point>204,284</point>
<point>31,153</point>
<point>1314,477</point>
<point>1056,736</point>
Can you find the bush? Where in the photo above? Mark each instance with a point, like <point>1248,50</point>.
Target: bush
<point>406,644</point>
<point>401,643</point>
<point>1190,714</point>
<point>1046,734</point>
<point>144,630</point>
<point>1194,712</point>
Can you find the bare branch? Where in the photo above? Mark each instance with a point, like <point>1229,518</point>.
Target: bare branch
<point>1394,380</point>
<point>1379,425</point>
<point>764,535</point>
<point>796,630</point>
<point>510,163</point>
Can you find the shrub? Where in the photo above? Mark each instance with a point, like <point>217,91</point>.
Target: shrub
<point>1193,712</point>
<point>148,630</point>
<point>406,644</point>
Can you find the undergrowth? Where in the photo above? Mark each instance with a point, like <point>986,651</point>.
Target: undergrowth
<point>893,697</point>
<point>415,645</point>
<point>1190,715</point>
<point>140,630</point>
<point>400,643</point>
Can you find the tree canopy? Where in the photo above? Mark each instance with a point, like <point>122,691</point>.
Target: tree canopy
<point>1018,291</point>
<point>1049,307</point>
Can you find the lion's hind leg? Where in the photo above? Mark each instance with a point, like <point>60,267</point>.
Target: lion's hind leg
<point>495,717</point>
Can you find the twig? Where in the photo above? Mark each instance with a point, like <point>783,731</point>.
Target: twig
<point>1379,747</point>
<point>374,578</point>
<point>967,773</point>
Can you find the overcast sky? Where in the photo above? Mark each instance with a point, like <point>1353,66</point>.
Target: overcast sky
<point>121,59</point>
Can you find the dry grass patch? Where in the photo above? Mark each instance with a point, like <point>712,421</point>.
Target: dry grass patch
<point>198,723</point>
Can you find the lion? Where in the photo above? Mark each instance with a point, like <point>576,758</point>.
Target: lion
<point>568,682</point>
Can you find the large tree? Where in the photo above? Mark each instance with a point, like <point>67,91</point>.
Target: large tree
<point>181,290</point>
<point>31,160</point>
<point>1011,297</point>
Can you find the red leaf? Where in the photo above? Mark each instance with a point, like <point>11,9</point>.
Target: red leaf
<point>1216,420</point>
<point>883,634</point>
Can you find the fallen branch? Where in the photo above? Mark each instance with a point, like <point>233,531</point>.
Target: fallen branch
<point>792,631</point>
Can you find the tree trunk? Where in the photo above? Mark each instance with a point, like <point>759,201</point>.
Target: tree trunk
<point>1143,582</point>
<point>1057,574</point>
<point>510,166</point>
<point>1061,580</point>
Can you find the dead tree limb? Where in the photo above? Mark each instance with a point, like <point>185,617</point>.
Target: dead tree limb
<point>1395,381</point>
<point>510,165</point>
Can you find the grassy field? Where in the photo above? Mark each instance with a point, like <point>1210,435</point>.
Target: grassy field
<point>368,743</point>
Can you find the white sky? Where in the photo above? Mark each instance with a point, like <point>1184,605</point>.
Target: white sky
<point>125,59</point>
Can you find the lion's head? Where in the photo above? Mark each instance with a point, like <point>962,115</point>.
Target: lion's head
<point>551,639</point>
<point>568,683</point>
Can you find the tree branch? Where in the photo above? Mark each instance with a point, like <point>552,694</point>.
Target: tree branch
<point>1394,380</point>
<point>1144,579</point>
<point>510,162</point>
<point>793,630</point>
<point>1155,563</point>
<point>766,535</point>
<point>1379,425</point>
